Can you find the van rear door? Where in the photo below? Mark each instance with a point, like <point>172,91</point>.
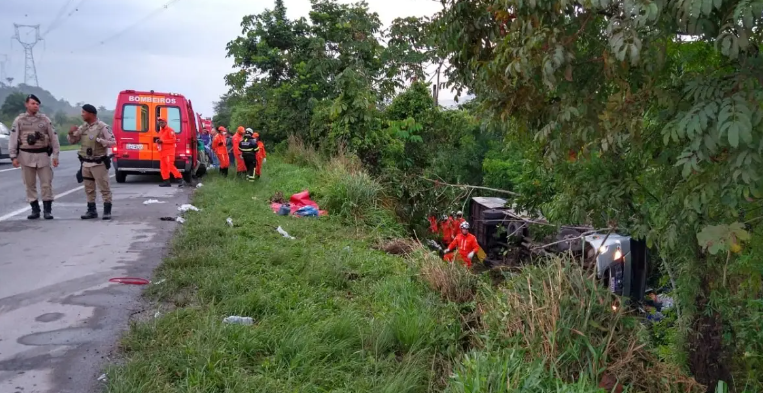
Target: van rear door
<point>136,142</point>
<point>174,117</point>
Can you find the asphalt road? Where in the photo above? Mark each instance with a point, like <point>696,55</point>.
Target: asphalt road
<point>60,317</point>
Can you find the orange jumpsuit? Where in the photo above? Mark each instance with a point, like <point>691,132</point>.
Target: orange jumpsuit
<point>432,224</point>
<point>447,231</point>
<point>260,156</point>
<point>167,154</point>
<point>465,244</point>
<point>218,146</point>
<point>240,165</point>
<point>457,224</point>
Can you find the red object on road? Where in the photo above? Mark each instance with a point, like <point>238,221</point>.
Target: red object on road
<point>130,280</point>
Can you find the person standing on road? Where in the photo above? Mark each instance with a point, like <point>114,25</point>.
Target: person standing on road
<point>33,145</point>
<point>167,142</point>
<point>249,151</point>
<point>261,154</point>
<point>95,138</point>
<point>240,165</point>
<point>218,147</point>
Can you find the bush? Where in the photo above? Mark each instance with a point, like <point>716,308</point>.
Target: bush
<point>300,154</point>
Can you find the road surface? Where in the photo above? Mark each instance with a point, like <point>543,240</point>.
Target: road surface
<point>60,317</point>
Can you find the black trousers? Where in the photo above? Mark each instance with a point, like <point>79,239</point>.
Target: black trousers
<point>250,160</point>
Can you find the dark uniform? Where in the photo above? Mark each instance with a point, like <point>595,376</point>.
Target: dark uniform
<point>249,149</point>
<point>95,139</point>
<point>33,143</point>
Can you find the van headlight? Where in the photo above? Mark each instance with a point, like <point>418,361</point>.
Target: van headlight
<point>603,249</point>
<point>618,254</point>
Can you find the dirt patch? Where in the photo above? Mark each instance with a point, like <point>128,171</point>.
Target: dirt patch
<point>397,246</point>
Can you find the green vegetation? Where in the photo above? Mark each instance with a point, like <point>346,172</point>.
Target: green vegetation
<point>596,113</point>
<point>61,113</point>
<point>334,314</point>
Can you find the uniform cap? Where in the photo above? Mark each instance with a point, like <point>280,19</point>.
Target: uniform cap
<point>89,109</point>
<point>160,119</point>
<point>256,135</point>
<point>32,97</point>
<point>240,129</point>
<point>221,128</point>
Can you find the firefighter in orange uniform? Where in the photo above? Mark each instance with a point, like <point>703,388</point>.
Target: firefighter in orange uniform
<point>447,229</point>
<point>261,155</point>
<point>218,147</point>
<point>457,221</point>
<point>167,140</point>
<point>240,164</point>
<point>465,243</point>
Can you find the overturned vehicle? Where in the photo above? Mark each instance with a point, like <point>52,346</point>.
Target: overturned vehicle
<point>504,233</point>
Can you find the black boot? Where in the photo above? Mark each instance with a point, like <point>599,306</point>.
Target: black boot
<point>107,210</point>
<point>166,183</point>
<point>47,210</point>
<point>91,212</point>
<point>35,211</point>
<point>224,171</point>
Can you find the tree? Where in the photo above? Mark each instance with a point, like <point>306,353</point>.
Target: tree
<point>14,105</point>
<point>639,129</point>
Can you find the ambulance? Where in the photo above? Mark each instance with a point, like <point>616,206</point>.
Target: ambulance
<point>136,130</point>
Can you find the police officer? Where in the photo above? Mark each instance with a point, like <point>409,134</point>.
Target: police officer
<point>249,148</point>
<point>33,145</point>
<point>95,138</point>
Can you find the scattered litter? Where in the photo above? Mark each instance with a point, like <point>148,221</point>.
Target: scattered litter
<point>157,314</point>
<point>296,202</point>
<point>130,280</point>
<point>102,378</point>
<point>160,281</point>
<point>347,249</point>
<point>199,185</point>
<point>151,201</point>
<point>284,210</point>
<point>285,234</point>
<point>180,220</point>
<point>236,320</point>
<point>307,211</point>
<point>229,221</point>
<point>167,218</point>
<point>186,207</point>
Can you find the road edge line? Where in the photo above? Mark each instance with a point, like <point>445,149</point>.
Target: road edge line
<point>24,209</point>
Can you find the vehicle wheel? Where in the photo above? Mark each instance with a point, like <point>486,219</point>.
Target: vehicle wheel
<point>201,171</point>
<point>514,232</point>
<point>187,176</point>
<point>121,177</point>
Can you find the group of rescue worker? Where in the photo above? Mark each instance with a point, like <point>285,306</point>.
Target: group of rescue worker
<point>454,231</point>
<point>244,148</point>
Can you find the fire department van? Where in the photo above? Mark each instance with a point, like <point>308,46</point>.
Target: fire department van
<point>136,130</point>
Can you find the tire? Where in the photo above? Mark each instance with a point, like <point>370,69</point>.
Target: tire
<point>121,177</point>
<point>187,175</point>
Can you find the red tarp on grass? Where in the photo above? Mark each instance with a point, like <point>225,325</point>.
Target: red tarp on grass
<point>298,201</point>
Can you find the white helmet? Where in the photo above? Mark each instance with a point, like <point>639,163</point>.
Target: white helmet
<point>249,130</point>
<point>459,213</point>
<point>465,225</point>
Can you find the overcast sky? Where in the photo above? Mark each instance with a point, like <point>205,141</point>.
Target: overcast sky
<point>180,49</point>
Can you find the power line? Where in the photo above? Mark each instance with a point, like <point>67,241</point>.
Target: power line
<point>55,20</point>
<point>53,27</point>
<point>134,25</point>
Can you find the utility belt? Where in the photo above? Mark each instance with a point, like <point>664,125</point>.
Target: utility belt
<point>106,160</point>
<point>47,150</point>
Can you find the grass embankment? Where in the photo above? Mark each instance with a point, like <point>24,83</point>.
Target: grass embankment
<point>333,314</point>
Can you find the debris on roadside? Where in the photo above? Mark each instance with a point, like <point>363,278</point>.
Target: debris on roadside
<point>102,378</point>
<point>199,185</point>
<point>285,234</point>
<point>186,207</point>
<point>129,280</point>
<point>160,281</point>
<point>237,320</point>
<point>180,220</point>
<point>297,202</point>
<point>152,201</point>
<point>229,221</point>
<point>157,315</point>
<point>167,218</point>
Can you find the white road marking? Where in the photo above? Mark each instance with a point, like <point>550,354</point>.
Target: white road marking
<point>6,170</point>
<point>22,210</point>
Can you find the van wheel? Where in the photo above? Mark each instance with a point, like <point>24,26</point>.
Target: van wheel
<point>121,177</point>
<point>187,176</point>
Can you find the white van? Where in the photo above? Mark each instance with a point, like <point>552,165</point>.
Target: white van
<point>5,134</point>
